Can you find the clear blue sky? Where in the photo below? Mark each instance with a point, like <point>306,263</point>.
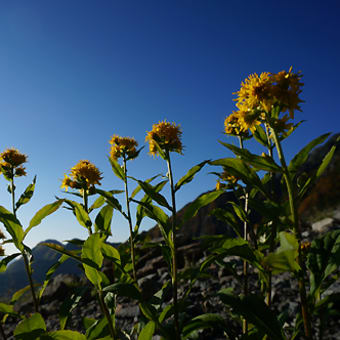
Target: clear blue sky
<point>75,72</point>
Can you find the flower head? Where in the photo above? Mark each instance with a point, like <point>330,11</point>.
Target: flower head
<point>123,146</point>
<point>232,125</point>
<point>11,161</point>
<point>230,180</point>
<point>166,135</point>
<point>84,175</point>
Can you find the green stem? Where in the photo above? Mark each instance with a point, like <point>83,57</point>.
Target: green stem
<point>273,229</point>
<point>297,232</point>
<point>245,237</point>
<point>132,247</point>
<point>86,205</point>
<point>24,255</point>
<point>174,248</point>
<point>106,313</point>
<point>103,306</point>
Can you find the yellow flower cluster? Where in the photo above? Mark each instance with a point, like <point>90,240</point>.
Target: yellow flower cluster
<point>83,176</point>
<point>226,177</point>
<point>166,135</point>
<point>11,161</point>
<point>257,97</point>
<point>123,146</point>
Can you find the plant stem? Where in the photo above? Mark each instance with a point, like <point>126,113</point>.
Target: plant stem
<point>132,247</point>
<point>273,229</point>
<point>297,232</point>
<point>106,313</point>
<point>103,306</point>
<point>24,254</point>
<point>174,248</point>
<point>245,237</point>
<point>86,207</point>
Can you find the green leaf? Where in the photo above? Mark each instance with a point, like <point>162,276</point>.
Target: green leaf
<point>239,247</point>
<point>190,175</point>
<point>201,201</point>
<point>19,293</point>
<point>255,311</point>
<point>91,254</point>
<point>110,199</point>
<point>103,220</point>
<point>111,253</point>
<point>69,305</point>
<point>147,331</point>
<point>97,330</point>
<point>81,214</point>
<point>7,309</point>
<point>50,273</point>
<point>42,213</point>
<point>117,169</point>
<point>124,289</point>
<point>71,253</point>
<point>323,259</point>
<point>138,188</point>
<point>261,136</point>
<point>204,321</point>
<point>301,157</point>
<point>30,328</point>
<point>154,194</point>
<point>6,260</point>
<point>13,227</point>
<point>97,203</point>
<point>285,258</point>
<point>27,195</point>
<point>265,163</point>
<point>241,170</point>
<point>63,335</point>
<point>239,211</point>
<point>325,161</point>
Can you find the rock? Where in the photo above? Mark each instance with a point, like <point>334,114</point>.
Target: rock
<point>323,225</point>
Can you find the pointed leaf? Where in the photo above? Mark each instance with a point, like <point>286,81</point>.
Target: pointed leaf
<point>138,188</point>
<point>6,260</point>
<point>110,199</point>
<point>323,258</point>
<point>81,214</point>
<point>117,169</point>
<point>103,220</point>
<point>147,331</point>
<point>301,157</point>
<point>265,163</point>
<point>13,227</point>
<point>124,289</point>
<point>91,254</point>
<point>111,253</point>
<point>260,135</point>
<point>7,309</point>
<point>325,161</point>
<point>201,201</point>
<point>255,311</point>
<point>97,203</point>
<point>154,194</point>
<point>63,335</point>
<point>204,321</point>
<point>30,328</point>
<point>241,170</point>
<point>190,175</point>
<point>42,213</point>
<point>27,195</point>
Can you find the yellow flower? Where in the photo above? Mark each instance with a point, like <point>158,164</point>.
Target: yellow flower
<point>166,135</point>
<point>11,161</point>
<point>123,145</point>
<point>232,125</point>
<point>249,120</point>
<point>286,89</point>
<point>13,157</point>
<point>255,93</point>
<point>83,176</point>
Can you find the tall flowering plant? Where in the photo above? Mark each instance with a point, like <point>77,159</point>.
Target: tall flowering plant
<point>266,106</point>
